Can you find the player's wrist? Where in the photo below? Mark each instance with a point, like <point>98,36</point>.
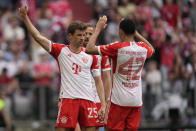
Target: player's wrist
<point>24,16</point>
<point>103,104</point>
<point>98,29</point>
<point>136,34</point>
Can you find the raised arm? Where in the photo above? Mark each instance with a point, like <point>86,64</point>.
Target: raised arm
<point>44,42</point>
<point>91,47</point>
<point>140,37</point>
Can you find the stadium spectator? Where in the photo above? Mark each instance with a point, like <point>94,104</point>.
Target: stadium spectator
<point>157,33</point>
<point>61,12</point>
<point>191,72</point>
<point>13,32</point>
<point>171,14</point>
<point>193,16</point>
<point>43,74</point>
<point>75,67</point>
<point>43,71</point>
<point>5,120</point>
<point>167,51</point>
<point>112,29</point>
<point>7,83</point>
<point>126,8</point>
<point>153,80</point>
<point>170,101</point>
<point>176,76</point>
<point>3,44</point>
<point>24,77</point>
<point>144,11</point>
<point>15,54</point>
<point>128,59</point>
<point>45,22</point>
<point>3,63</point>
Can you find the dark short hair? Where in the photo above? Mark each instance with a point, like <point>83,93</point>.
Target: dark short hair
<point>89,25</point>
<point>77,25</point>
<point>128,26</point>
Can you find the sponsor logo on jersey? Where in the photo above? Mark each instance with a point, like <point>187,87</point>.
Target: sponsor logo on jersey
<point>64,119</point>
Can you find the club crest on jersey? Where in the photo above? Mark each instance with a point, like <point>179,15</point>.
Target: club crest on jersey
<point>85,60</point>
<point>64,119</point>
<point>69,55</point>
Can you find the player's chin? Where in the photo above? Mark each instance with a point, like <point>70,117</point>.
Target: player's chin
<point>81,43</point>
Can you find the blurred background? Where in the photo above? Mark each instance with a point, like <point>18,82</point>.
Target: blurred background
<point>29,77</point>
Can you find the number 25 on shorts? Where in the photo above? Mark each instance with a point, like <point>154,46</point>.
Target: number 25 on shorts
<point>92,113</point>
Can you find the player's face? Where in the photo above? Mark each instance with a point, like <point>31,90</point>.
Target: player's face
<point>88,33</point>
<point>77,38</point>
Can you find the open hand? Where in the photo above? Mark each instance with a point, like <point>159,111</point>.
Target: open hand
<point>23,11</point>
<point>101,24</point>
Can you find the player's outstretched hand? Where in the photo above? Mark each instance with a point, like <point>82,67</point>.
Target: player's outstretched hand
<point>101,113</point>
<point>23,11</point>
<point>101,24</point>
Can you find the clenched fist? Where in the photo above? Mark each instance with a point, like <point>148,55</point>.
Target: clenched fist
<point>23,11</point>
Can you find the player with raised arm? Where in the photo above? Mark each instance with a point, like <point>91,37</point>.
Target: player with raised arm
<point>104,63</point>
<point>128,58</point>
<point>105,68</point>
<point>76,94</point>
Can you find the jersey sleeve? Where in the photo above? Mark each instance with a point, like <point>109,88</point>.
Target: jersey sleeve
<point>95,67</point>
<point>105,63</point>
<point>55,49</point>
<point>109,49</point>
<point>149,49</point>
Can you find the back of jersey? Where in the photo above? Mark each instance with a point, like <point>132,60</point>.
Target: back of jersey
<point>127,62</point>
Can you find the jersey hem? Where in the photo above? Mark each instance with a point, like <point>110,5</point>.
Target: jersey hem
<point>127,106</point>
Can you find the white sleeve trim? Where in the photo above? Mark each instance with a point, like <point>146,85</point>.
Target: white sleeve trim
<point>95,72</point>
<point>99,50</point>
<point>107,69</point>
<point>50,46</point>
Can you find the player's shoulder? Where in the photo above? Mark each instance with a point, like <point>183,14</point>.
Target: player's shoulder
<point>60,44</point>
<point>141,44</point>
<point>83,53</point>
<point>117,45</point>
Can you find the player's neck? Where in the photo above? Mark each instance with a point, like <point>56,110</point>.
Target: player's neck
<point>128,39</point>
<point>75,49</point>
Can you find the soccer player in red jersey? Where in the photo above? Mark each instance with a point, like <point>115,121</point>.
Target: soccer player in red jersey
<point>76,68</point>
<point>104,64</point>
<point>105,68</point>
<point>128,57</point>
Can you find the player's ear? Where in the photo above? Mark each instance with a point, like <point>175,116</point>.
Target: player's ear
<point>70,36</point>
<point>121,33</point>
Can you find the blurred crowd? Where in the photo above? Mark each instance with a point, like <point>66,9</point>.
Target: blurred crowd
<point>169,77</point>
